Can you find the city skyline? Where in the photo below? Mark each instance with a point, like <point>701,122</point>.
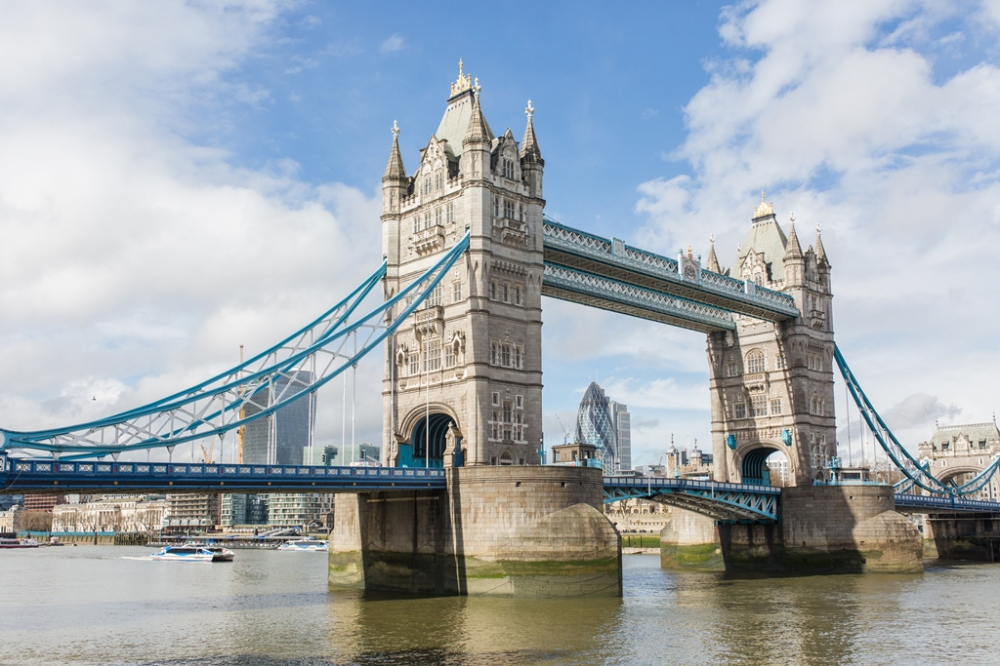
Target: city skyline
<point>259,137</point>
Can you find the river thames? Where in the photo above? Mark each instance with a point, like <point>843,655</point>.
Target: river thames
<point>113,605</point>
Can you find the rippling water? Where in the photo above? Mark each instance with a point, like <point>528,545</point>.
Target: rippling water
<point>112,605</point>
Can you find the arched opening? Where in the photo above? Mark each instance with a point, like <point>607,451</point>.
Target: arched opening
<point>766,467</point>
<point>506,458</point>
<point>962,475</point>
<point>427,432</point>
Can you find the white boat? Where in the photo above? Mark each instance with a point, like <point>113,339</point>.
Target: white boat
<point>6,542</point>
<point>193,552</point>
<point>306,545</point>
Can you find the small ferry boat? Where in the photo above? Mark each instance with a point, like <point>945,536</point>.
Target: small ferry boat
<point>308,545</point>
<point>7,542</point>
<point>193,552</point>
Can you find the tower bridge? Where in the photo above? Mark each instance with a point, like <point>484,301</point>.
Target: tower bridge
<point>462,501</point>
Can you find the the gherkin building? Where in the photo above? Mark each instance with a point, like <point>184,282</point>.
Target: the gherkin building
<point>595,427</point>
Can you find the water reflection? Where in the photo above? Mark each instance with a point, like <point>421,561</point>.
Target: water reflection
<point>92,606</point>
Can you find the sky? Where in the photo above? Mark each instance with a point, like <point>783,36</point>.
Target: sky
<point>180,178</point>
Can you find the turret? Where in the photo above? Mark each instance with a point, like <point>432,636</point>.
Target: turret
<point>531,157</point>
<point>794,260</point>
<point>394,183</point>
<point>477,143</point>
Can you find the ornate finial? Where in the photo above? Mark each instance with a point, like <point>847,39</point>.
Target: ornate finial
<point>761,192</point>
<point>395,130</point>
<point>791,218</point>
<point>530,110</point>
<point>690,251</point>
<point>477,87</point>
<point>464,80</point>
<point>764,209</point>
<point>711,239</point>
<point>819,230</point>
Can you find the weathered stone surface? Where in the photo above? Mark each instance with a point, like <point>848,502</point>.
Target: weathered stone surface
<point>522,531</point>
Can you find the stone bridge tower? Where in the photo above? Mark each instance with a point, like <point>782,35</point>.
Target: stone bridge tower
<point>463,379</point>
<point>772,383</point>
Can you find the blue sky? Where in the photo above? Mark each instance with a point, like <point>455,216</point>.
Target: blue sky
<point>177,179</point>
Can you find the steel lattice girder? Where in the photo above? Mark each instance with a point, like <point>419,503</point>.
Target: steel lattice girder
<point>613,259</point>
<point>597,291</point>
<point>720,501</point>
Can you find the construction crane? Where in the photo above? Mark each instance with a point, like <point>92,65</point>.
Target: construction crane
<point>207,455</point>
<point>565,431</point>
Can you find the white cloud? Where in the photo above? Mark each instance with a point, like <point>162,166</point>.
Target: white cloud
<point>841,112</point>
<point>392,44</point>
<point>134,261</point>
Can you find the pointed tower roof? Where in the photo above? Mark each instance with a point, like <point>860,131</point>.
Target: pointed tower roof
<point>764,237</point>
<point>478,131</point>
<point>713,261</point>
<point>394,169</point>
<point>530,151</point>
<point>820,250</point>
<point>793,250</point>
<point>455,122</point>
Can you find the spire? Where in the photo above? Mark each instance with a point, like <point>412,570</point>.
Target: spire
<point>477,132</point>
<point>394,169</point>
<point>713,261</point>
<point>792,249</point>
<point>529,146</point>
<point>820,250</point>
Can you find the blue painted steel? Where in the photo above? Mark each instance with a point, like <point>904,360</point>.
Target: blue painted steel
<point>915,473</point>
<point>937,503</point>
<point>22,476</point>
<point>217,406</point>
<point>721,501</point>
<point>563,243</point>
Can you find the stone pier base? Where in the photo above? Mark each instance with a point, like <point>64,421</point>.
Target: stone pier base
<point>513,531</point>
<point>967,537</point>
<point>824,529</point>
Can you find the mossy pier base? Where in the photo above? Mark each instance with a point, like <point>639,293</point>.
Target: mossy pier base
<point>513,531</point>
<point>824,529</point>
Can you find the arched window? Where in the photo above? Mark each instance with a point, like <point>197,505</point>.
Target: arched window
<point>506,458</point>
<point>755,362</point>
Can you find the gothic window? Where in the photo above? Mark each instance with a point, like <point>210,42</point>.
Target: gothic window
<point>493,290</point>
<point>518,427</point>
<point>495,397</point>
<point>449,356</point>
<point>451,213</point>
<point>775,406</point>
<point>517,295</point>
<point>434,298</point>
<point>505,355</point>
<point>416,224</point>
<point>437,217</point>
<point>506,458</point>
<point>755,361</point>
<point>779,361</point>
<point>741,410</point>
<point>517,356</point>
<point>506,293</point>
<point>508,209</point>
<point>520,212</point>
<point>519,402</point>
<point>438,180</point>
<point>427,184</point>
<point>493,361</point>
<point>495,426</point>
<point>433,355</point>
<point>508,169</point>
<point>758,405</point>
<point>732,369</point>
<point>496,206</point>
<point>427,220</point>
<point>414,363</point>
<point>456,291</point>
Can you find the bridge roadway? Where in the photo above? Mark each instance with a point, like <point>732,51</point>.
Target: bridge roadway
<point>721,501</point>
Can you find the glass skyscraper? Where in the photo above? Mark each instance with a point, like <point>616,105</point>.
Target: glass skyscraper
<point>279,439</point>
<point>595,427</point>
<point>622,422</point>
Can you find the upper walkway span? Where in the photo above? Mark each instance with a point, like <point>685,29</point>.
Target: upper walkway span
<point>609,274</point>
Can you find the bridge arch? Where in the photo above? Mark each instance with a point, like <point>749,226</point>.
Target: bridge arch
<point>960,473</point>
<point>753,463</point>
<point>427,431</point>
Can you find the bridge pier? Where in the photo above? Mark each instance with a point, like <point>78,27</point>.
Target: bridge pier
<point>974,537</point>
<point>511,531</point>
<point>823,529</point>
